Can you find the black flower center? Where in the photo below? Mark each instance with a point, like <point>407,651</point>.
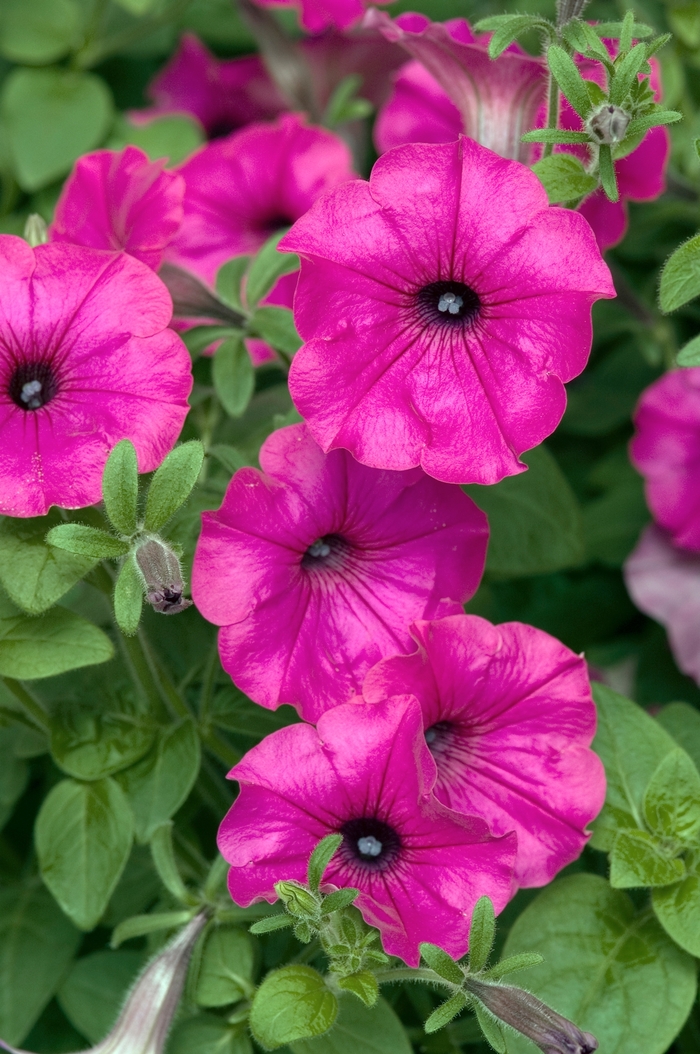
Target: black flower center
<point>370,843</point>
<point>324,553</point>
<point>33,385</point>
<point>438,736</point>
<point>270,225</point>
<point>448,304</point>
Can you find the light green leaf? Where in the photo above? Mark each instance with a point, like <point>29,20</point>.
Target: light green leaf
<point>680,278</point>
<point>490,1028</point>
<point>159,784</point>
<point>613,972</point>
<point>360,1030</point>
<point>534,519</point>
<point>292,1003</point>
<point>689,355</point>
<point>226,967</point>
<point>678,909</point>
<point>120,487</point>
<point>682,722</point>
<point>569,79</point>
<point>93,993</point>
<point>38,31</point>
<point>268,265</point>
<point>52,116</point>
<point>582,37</point>
<point>276,326</point>
<point>233,375</point>
<point>445,1012</point>
<point>363,984</point>
<point>228,282</point>
<point>142,925</point>
<point>482,931</point>
<point>128,597</point>
<point>83,839</point>
<point>208,1034</point>
<point>173,136</point>
<point>33,574</point>
<point>172,484</point>
<point>95,739</point>
<point>672,799</point>
<point>442,963</point>
<point>31,648</point>
<point>637,860</point>
<point>86,541</point>
<point>37,943</point>
<point>564,178</point>
<point>508,31</point>
<point>321,857</point>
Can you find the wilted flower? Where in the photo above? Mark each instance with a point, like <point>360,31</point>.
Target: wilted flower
<point>316,566</point>
<point>162,576</point>
<point>86,359</point>
<point>509,719</point>
<point>443,314</point>
<point>120,201</point>
<point>367,774</point>
<point>144,1023</point>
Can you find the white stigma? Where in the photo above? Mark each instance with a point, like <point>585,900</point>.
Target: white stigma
<point>30,394</point>
<point>320,548</point>
<point>430,735</point>
<point>450,302</point>
<point>369,846</point>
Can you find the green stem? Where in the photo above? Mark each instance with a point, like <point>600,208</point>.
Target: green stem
<point>552,110</point>
<point>219,747</point>
<point>29,702</point>
<point>406,973</point>
<point>208,682</point>
<point>142,674</point>
<point>162,678</point>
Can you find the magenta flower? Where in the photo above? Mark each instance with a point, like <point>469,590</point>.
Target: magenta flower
<point>666,450</point>
<point>316,566</point>
<point>443,314</point>
<point>367,774</point>
<point>241,189</point>
<point>664,582</point>
<point>86,359</point>
<point>317,15</point>
<point>497,101</point>
<point>509,720</point>
<point>120,201</point>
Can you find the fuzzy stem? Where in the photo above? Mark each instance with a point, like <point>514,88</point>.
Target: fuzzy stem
<point>552,110</point>
<point>407,973</point>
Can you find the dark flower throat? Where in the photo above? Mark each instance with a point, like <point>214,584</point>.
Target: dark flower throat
<point>32,385</point>
<point>448,304</point>
<point>370,843</point>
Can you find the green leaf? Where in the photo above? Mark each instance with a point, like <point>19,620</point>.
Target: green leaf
<point>582,37</point>
<point>57,641</point>
<point>172,136</point>
<point>360,1030</point>
<point>514,962</point>
<point>199,338</point>
<point>344,105</point>
<point>120,487</point>
<point>555,135</point>
<point>605,396</point>
<point>445,1012</point>
<point>612,30</point>
<point>490,1028</point>
<point>672,799</point>
<point>508,31</point>
<point>37,944</point>
<point>569,79</point>
<point>340,898</point>
<point>228,282</point>
<point>534,519</point>
<point>626,32</point>
<point>613,522</point>
<point>276,326</point>
<point>38,31</point>
<point>680,278</point>
<point>96,738</point>
<point>482,932</point>
<point>128,597</point>
<point>631,745</point>
<point>637,860</point>
<point>267,267</point>
<point>657,117</point>
<point>564,178</point>
<point>208,1034</point>
<point>14,774</point>
<point>159,784</point>
<point>233,375</point>
<point>172,484</point>
<point>607,172</point>
<point>363,984</point>
<point>52,116</point>
<point>94,991</point>
<point>689,355</point>
<point>626,70</point>
<point>291,1003</point>
<point>442,963</point>
<point>272,923</point>
<point>83,839</point>
<point>86,541</point>
<point>321,857</point>
<point>684,20</point>
<point>612,971</point>
<point>226,967</point>
<point>33,574</point>
<point>678,910</point>
<point>142,925</point>
<point>163,853</point>
<point>682,722</point>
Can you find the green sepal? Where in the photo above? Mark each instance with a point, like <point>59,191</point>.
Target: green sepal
<point>266,268</point>
<point>172,484</point>
<point>229,278</point>
<point>321,857</point>
<point>86,541</point>
<point>120,487</point>
<point>491,1029</point>
<point>276,326</point>
<point>607,172</point>
<point>142,925</point>
<point>510,30</point>
<point>512,963</point>
<point>363,984</point>
<point>582,37</point>
<point>442,963</point>
<point>341,898</point>
<point>444,1013</point>
<point>272,923</point>
<point>555,135</point>
<point>612,30</point>
<point>481,934</point>
<point>569,79</point>
<point>626,71</point>
<point>657,117</point>
<point>626,32</point>
<point>233,376</point>
<point>163,853</point>
<point>128,597</point>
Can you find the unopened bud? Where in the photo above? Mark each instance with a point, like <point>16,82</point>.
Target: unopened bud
<point>160,569</point>
<point>547,1029</point>
<point>569,9</point>
<point>298,900</point>
<point>35,230</point>
<point>609,124</point>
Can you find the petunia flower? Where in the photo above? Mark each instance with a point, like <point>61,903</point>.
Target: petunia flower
<point>509,720</point>
<point>443,303</point>
<point>317,15</point>
<point>315,567</point>
<point>120,201</point>
<point>666,450</point>
<point>243,188</point>
<point>86,359</point>
<point>664,582</point>
<point>144,1023</point>
<point>495,101</point>
<point>367,774</point>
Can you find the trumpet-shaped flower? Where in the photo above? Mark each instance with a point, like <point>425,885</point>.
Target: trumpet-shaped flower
<point>443,303</point>
<point>86,359</point>
<point>509,720</point>
<point>315,567</point>
<point>120,201</point>
<point>317,15</point>
<point>367,774</point>
<point>666,450</point>
<point>243,188</point>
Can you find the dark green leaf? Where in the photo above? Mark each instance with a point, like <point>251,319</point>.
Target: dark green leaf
<point>612,523</point>
<point>680,278</point>
<point>93,993</point>
<point>292,1003</point>
<point>86,541</point>
<point>359,1030</point>
<point>94,739</point>
<point>321,857</point>
<point>14,774</point>
<point>226,967</point>
<point>229,456</point>
<point>481,934</point>
<point>234,378</point>
<point>142,925</point>
<point>564,178</point>
<point>276,326</point>
<point>120,487</point>
<point>172,484</point>
<point>684,20</point>
<point>605,396</point>
<point>128,597</point>
<point>57,641</point>
<point>34,574</point>
<point>569,79</point>
<point>638,860</point>
<point>208,1034</point>
<point>267,266</point>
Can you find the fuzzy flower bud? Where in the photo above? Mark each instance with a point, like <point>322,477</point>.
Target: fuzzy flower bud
<point>162,576</point>
<point>609,124</point>
<point>547,1029</point>
<point>144,1023</point>
<point>297,899</point>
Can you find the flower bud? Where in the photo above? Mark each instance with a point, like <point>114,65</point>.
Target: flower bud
<point>160,570</point>
<point>298,900</point>
<point>547,1029</point>
<point>609,124</point>
<point>35,230</point>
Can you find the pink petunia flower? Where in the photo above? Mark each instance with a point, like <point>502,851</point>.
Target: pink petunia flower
<point>443,304</point>
<point>367,774</point>
<point>316,566</point>
<point>120,201</point>
<point>664,582</point>
<point>317,15</point>
<point>241,189</point>
<point>86,359</point>
<point>464,90</point>
<point>509,720</point>
<point>666,450</point>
